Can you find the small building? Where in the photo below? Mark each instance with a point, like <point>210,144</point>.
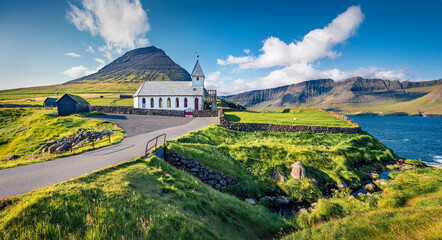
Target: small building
<point>70,104</point>
<point>176,95</point>
<point>50,102</point>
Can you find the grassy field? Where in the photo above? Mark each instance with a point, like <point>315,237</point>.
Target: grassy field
<point>306,117</point>
<point>252,156</point>
<point>409,208</point>
<point>140,199</point>
<point>23,131</point>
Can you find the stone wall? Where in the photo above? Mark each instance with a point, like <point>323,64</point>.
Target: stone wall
<point>206,113</point>
<point>19,106</point>
<point>137,111</point>
<point>337,115</point>
<point>217,180</point>
<point>253,127</point>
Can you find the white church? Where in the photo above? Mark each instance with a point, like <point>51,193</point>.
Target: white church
<point>176,95</point>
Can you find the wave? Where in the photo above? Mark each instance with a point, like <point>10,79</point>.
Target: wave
<point>438,159</point>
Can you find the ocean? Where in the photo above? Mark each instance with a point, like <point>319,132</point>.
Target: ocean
<point>408,137</point>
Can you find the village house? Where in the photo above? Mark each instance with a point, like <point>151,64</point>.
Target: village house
<point>70,104</point>
<point>176,95</point>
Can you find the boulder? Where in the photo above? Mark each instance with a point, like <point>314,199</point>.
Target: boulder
<point>298,171</point>
<point>11,157</point>
<point>342,184</point>
<point>302,211</point>
<point>52,148</point>
<point>250,201</point>
<point>278,176</point>
<point>61,149</point>
<point>381,182</point>
<point>49,143</point>
<point>282,200</point>
<point>370,187</point>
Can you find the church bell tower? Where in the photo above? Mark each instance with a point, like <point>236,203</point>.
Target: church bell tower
<point>197,75</point>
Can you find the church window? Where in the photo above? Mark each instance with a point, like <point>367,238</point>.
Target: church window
<point>168,103</point>
<point>144,102</point>
<point>161,103</point>
<point>185,102</point>
<point>197,78</point>
<point>177,103</point>
<point>152,103</point>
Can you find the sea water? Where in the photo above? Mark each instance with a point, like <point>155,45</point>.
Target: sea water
<point>408,137</point>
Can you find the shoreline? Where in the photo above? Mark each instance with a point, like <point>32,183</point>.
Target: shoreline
<point>399,114</point>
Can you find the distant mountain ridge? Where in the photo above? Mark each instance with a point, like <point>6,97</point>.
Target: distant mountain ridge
<point>138,65</point>
<point>328,92</point>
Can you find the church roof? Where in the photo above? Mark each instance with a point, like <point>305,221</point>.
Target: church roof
<point>197,70</point>
<point>169,88</point>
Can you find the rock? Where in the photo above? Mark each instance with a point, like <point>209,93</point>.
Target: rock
<point>61,149</point>
<point>250,200</point>
<point>282,200</point>
<point>381,182</point>
<point>370,187</point>
<point>374,176</point>
<point>342,184</point>
<point>298,171</point>
<point>359,192</point>
<point>302,211</point>
<point>49,143</point>
<point>11,157</point>
<point>314,181</point>
<point>353,186</point>
<point>52,148</point>
<point>278,176</point>
<point>325,148</point>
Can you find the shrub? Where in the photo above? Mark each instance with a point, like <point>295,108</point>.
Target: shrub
<point>302,190</point>
<point>327,210</point>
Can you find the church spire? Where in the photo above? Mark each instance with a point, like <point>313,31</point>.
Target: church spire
<point>197,74</point>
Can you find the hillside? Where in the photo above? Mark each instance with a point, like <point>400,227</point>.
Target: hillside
<point>352,95</point>
<point>138,65</point>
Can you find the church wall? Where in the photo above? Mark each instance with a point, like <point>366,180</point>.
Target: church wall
<point>138,102</point>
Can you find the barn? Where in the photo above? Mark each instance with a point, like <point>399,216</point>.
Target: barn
<point>50,102</point>
<point>71,104</point>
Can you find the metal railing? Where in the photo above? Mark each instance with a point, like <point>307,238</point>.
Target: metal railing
<point>150,146</point>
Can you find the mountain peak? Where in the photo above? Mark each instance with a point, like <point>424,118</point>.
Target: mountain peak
<point>139,65</point>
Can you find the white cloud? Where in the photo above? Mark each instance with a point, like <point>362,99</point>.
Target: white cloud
<point>121,23</point>
<point>90,49</point>
<point>77,71</point>
<point>80,71</point>
<point>72,55</point>
<point>298,58</point>
<point>317,44</point>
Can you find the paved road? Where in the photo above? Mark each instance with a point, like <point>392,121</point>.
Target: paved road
<point>138,124</point>
<point>19,180</point>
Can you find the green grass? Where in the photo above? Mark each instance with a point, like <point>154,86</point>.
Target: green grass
<point>305,117</point>
<point>410,207</point>
<point>140,199</point>
<point>24,131</point>
<point>252,156</point>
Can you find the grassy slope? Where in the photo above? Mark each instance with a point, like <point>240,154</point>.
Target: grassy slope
<point>303,117</point>
<point>410,207</point>
<point>134,200</point>
<point>23,131</point>
<point>252,157</point>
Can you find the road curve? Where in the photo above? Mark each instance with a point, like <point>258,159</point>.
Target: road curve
<point>19,180</point>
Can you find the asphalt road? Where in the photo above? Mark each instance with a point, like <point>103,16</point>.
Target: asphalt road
<point>138,124</point>
<point>19,180</point>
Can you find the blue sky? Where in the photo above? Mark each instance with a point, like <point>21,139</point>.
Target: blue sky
<point>271,43</point>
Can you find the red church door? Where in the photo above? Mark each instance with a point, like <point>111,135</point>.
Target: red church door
<point>196,104</point>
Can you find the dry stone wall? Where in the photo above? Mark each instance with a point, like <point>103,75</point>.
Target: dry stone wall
<point>137,111</point>
<point>206,113</point>
<point>217,180</point>
<point>19,106</point>
<point>253,127</point>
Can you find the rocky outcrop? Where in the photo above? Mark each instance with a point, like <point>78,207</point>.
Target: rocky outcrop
<point>278,176</point>
<point>298,171</point>
<point>137,111</point>
<point>11,157</point>
<point>66,144</point>
<point>215,179</point>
